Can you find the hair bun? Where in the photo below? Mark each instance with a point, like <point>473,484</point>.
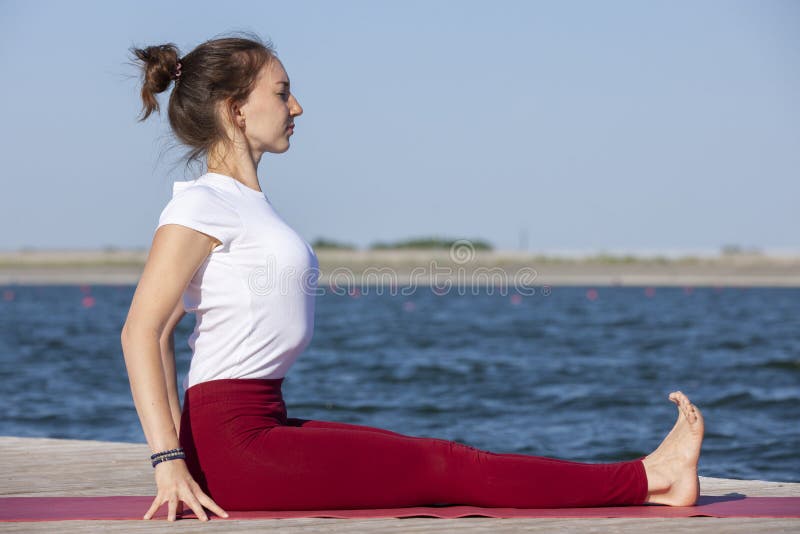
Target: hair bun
<point>160,65</point>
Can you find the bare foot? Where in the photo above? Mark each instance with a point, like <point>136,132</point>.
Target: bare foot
<point>672,468</point>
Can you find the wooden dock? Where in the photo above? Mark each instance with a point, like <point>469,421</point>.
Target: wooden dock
<point>40,467</point>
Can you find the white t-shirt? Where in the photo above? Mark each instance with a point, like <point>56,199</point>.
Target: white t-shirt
<point>253,297</point>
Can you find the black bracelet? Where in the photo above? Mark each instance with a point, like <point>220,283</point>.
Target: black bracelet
<point>168,458</point>
<point>164,457</point>
<point>162,453</point>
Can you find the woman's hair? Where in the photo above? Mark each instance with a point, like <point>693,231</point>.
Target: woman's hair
<point>219,70</point>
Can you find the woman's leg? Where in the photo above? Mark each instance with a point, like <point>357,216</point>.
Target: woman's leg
<point>328,465</point>
<point>314,423</point>
<point>246,455</point>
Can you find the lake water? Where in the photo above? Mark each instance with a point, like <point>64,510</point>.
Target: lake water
<point>576,373</point>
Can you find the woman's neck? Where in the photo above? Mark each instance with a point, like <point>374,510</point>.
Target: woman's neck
<point>241,167</point>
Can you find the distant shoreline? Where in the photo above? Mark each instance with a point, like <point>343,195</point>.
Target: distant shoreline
<point>423,267</point>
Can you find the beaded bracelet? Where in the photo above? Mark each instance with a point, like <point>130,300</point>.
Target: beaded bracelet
<point>164,456</point>
<point>162,453</point>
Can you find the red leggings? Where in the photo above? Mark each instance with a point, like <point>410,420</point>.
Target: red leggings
<point>247,454</point>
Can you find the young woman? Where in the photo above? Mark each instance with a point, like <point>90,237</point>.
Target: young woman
<point>221,251</point>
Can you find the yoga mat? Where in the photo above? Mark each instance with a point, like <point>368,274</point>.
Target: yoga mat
<point>134,507</point>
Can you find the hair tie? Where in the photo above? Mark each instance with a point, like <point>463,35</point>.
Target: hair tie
<point>177,74</point>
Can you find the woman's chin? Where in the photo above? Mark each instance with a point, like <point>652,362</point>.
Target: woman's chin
<point>279,148</point>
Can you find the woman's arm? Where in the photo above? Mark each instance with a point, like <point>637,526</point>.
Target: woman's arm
<point>168,361</point>
<point>176,254</point>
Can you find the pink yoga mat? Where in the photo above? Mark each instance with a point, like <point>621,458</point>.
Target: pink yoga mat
<point>125,507</point>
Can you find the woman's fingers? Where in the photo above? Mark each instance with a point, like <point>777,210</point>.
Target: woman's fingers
<point>211,505</point>
<point>197,499</point>
<point>195,505</point>
<point>173,506</point>
<point>180,489</point>
<point>153,507</point>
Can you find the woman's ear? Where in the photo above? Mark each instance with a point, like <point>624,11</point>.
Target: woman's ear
<point>237,115</point>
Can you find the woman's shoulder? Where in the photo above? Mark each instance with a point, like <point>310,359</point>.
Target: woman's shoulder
<point>204,208</point>
<point>194,195</point>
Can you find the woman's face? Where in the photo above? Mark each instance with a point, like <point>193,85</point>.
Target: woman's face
<point>269,112</point>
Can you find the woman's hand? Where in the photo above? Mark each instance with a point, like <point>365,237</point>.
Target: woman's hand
<point>176,486</point>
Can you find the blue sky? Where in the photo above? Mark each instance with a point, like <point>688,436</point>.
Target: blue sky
<point>615,125</point>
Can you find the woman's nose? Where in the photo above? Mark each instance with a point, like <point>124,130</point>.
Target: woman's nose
<point>296,108</point>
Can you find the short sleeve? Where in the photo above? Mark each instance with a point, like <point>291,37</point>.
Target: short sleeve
<point>204,210</point>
